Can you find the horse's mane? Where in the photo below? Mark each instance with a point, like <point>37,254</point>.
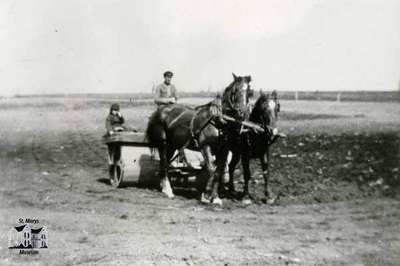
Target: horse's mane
<point>227,94</point>
<point>207,105</point>
<point>261,99</point>
<point>257,110</point>
<point>229,87</point>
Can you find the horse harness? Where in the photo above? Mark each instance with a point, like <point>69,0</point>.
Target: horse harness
<point>194,133</point>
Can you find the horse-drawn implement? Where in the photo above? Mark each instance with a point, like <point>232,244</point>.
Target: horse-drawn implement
<point>217,128</point>
<point>129,155</point>
<point>132,159</point>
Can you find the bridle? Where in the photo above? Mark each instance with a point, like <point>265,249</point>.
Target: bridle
<point>265,121</point>
<point>236,96</point>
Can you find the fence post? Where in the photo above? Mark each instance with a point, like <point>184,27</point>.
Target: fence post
<point>338,97</point>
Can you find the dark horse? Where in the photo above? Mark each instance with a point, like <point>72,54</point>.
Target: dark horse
<point>246,143</point>
<point>256,144</point>
<point>173,127</point>
<point>234,103</point>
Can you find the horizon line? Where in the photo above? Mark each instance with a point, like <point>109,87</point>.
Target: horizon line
<point>196,92</point>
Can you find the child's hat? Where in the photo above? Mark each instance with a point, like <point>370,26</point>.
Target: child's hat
<point>115,106</point>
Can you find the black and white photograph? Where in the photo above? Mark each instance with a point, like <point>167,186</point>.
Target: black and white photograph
<point>181,132</point>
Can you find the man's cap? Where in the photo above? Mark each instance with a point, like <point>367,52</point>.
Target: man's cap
<point>168,74</point>
<point>115,106</point>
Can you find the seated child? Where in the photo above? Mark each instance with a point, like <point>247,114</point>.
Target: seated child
<point>115,121</point>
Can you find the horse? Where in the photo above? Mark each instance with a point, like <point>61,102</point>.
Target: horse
<point>234,102</point>
<point>249,144</point>
<point>173,127</point>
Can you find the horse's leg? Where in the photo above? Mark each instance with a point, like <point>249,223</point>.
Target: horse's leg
<point>206,195</point>
<point>222,156</point>
<point>269,198</point>
<point>226,169</point>
<point>247,175</point>
<point>232,165</point>
<point>164,163</point>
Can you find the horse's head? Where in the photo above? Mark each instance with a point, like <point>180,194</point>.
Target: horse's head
<point>265,113</point>
<point>236,96</point>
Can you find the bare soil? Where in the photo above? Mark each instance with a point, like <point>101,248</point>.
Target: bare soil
<point>337,177</point>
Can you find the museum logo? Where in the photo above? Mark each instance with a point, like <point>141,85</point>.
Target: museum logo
<point>28,236</point>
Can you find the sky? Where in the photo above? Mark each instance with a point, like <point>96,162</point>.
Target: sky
<point>99,46</point>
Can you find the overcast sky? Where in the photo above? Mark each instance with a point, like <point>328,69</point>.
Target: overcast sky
<point>54,46</point>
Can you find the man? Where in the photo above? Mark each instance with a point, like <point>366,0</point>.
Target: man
<point>166,92</point>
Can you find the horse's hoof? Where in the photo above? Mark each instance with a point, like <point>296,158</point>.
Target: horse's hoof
<point>269,200</point>
<point>247,201</point>
<point>217,201</point>
<point>168,193</point>
<point>205,199</point>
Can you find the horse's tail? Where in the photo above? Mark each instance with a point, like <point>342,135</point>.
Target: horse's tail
<point>150,134</point>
